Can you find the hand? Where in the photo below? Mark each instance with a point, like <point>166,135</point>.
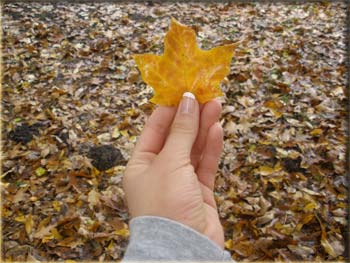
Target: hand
<point>172,170</point>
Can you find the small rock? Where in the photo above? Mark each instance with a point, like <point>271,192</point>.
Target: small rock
<point>105,157</point>
<point>23,133</point>
<point>291,165</point>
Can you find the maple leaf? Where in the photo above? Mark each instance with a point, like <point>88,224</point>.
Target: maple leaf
<point>184,67</point>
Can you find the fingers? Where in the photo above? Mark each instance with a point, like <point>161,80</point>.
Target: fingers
<point>184,130</point>
<point>210,114</point>
<point>209,163</point>
<point>155,131</point>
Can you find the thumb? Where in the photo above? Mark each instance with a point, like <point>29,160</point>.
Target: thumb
<point>184,129</point>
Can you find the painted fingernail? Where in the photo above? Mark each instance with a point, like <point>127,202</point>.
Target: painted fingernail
<point>187,103</point>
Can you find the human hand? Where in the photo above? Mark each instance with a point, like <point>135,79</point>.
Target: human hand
<point>172,170</point>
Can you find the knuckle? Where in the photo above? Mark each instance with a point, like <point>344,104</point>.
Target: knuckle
<point>157,127</point>
<point>183,126</point>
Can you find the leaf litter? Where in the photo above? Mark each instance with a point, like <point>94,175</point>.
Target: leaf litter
<point>70,85</point>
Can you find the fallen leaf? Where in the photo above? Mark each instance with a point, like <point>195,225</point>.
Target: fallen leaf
<point>93,198</point>
<point>56,205</point>
<point>40,171</point>
<point>29,223</point>
<point>229,244</point>
<point>316,132</point>
<point>266,170</point>
<point>124,232</point>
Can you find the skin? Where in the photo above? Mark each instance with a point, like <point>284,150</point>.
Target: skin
<point>172,170</point>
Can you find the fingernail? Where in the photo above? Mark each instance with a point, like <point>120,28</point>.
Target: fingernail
<point>187,103</point>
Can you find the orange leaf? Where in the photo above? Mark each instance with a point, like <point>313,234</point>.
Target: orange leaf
<point>185,67</point>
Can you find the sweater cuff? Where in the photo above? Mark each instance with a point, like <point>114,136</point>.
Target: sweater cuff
<point>158,238</point>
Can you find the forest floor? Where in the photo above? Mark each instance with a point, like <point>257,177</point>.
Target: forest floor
<point>73,104</point>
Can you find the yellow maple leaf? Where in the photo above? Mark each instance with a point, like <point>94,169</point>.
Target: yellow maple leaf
<point>184,67</point>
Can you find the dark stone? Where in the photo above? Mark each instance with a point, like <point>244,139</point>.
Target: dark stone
<point>105,157</point>
<point>23,133</point>
<point>291,165</point>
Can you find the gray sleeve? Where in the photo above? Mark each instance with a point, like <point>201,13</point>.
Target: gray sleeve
<point>157,238</point>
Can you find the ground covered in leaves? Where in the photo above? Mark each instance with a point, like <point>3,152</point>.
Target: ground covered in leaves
<point>73,104</point>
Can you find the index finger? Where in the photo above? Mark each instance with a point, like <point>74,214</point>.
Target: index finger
<point>156,130</point>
